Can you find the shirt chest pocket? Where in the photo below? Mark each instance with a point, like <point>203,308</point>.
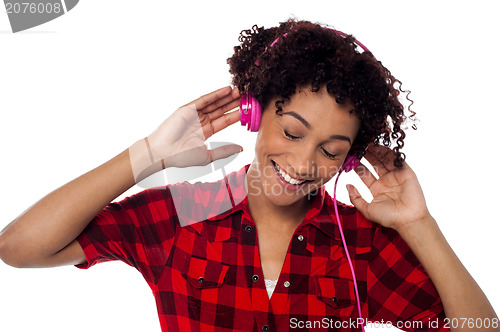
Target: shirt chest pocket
<point>205,293</point>
<point>337,293</point>
<point>204,274</point>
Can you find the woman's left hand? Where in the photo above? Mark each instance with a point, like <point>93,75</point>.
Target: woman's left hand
<point>398,199</point>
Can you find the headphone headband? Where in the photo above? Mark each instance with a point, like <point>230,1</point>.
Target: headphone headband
<point>340,33</point>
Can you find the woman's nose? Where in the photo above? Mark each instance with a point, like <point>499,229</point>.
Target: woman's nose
<point>304,163</point>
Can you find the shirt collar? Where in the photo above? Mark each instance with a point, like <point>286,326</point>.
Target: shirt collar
<point>321,214</point>
<point>234,185</point>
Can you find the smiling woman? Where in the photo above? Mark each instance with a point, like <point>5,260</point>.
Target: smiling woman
<point>266,248</point>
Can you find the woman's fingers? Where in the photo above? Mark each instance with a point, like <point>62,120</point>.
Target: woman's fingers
<point>222,110</point>
<point>381,158</point>
<point>220,123</point>
<point>224,151</point>
<point>357,200</point>
<point>231,99</point>
<point>210,98</point>
<point>365,175</point>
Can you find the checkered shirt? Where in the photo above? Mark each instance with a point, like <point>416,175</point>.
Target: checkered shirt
<point>196,247</point>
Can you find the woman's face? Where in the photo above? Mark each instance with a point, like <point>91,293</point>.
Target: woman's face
<point>301,148</point>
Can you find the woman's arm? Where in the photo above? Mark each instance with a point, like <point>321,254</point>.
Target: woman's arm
<point>44,235</point>
<point>398,202</point>
<point>35,237</point>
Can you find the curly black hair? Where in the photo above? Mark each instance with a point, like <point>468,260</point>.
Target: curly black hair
<point>273,63</point>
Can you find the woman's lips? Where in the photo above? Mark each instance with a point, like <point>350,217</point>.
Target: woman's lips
<point>284,183</point>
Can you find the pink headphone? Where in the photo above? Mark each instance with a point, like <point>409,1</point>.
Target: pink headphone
<point>251,114</point>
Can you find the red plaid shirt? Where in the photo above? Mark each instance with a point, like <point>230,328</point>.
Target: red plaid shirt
<point>196,246</point>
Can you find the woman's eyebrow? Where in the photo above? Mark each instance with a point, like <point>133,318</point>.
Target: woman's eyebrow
<point>308,126</point>
<point>300,118</point>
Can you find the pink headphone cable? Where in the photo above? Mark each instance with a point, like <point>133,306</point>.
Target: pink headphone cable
<point>347,251</point>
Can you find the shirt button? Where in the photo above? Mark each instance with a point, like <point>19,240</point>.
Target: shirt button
<point>248,228</point>
<point>265,328</point>
<point>201,280</point>
<point>335,300</point>
<point>255,277</point>
<point>286,284</point>
<point>300,238</point>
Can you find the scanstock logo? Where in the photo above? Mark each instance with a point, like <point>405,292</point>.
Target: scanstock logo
<point>26,14</point>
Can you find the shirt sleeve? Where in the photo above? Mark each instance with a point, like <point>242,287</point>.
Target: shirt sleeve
<point>398,287</point>
<point>139,230</point>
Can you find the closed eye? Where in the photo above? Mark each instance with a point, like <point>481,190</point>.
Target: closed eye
<point>293,137</point>
<point>329,155</point>
<point>290,136</point>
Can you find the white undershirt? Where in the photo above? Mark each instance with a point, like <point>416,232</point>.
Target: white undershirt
<point>270,285</point>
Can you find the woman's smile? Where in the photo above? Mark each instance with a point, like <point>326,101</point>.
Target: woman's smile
<point>287,181</point>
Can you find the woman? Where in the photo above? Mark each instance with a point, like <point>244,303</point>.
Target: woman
<point>212,252</point>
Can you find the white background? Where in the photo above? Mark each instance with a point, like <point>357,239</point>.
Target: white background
<point>78,90</point>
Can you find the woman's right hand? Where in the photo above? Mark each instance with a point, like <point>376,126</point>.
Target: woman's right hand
<point>180,140</point>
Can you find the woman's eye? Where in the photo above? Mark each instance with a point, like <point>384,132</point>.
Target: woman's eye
<point>293,137</point>
<point>329,155</point>
<point>287,134</point>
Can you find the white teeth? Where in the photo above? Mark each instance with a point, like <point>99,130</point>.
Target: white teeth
<point>287,177</point>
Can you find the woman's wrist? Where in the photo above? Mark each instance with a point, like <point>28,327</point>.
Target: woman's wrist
<point>142,160</point>
<point>407,229</point>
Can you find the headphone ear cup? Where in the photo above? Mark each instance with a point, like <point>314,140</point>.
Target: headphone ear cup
<point>250,111</point>
<point>256,112</point>
<point>350,163</point>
